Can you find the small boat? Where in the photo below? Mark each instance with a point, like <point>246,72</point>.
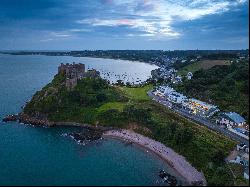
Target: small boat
<point>171,180</point>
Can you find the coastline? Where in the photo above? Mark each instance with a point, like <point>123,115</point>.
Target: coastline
<point>176,161</point>
<point>26,119</point>
<point>173,159</point>
<point>98,57</point>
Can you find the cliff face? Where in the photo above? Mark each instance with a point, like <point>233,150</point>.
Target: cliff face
<point>43,101</point>
<point>55,102</point>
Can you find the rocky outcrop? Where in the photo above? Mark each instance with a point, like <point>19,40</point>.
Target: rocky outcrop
<point>86,135</point>
<point>26,119</point>
<point>10,118</point>
<point>41,120</point>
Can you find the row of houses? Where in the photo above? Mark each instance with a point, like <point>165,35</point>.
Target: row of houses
<point>201,108</point>
<point>194,106</point>
<point>169,74</point>
<point>234,122</point>
<point>231,120</point>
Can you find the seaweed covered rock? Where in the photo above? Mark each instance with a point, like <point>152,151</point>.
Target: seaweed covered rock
<point>86,135</point>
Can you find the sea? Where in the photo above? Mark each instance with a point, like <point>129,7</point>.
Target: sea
<point>43,156</point>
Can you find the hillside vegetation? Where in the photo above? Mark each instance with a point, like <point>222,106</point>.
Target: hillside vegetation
<point>94,101</point>
<point>226,86</point>
<point>203,64</point>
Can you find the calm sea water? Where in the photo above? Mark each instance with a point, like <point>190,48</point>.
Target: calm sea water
<point>42,156</point>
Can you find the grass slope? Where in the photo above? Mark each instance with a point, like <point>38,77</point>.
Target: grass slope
<point>204,64</point>
<point>93,101</point>
<point>138,94</point>
<point>111,105</point>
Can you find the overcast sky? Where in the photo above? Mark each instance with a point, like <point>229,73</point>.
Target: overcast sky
<point>123,24</point>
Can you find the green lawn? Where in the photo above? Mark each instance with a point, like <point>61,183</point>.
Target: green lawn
<point>205,64</point>
<point>92,100</point>
<point>138,94</point>
<point>111,105</point>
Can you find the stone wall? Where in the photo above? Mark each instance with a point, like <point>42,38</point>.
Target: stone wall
<point>76,72</point>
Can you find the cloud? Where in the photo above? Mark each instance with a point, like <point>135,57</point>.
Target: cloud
<point>48,36</point>
<point>46,40</point>
<point>79,30</point>
<point>60,34</point>
<point>124,24</point>
<point>151,28</point>
<point>156,18</point>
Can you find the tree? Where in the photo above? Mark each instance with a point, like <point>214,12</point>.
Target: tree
<point>101,97</point>
<point>119,83</point>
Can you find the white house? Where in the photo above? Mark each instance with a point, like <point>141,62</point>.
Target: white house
<point>165,89</point>
<point>245,159</point>
<point>189,75</point>
<point>168,90</point>
<point>231,119</point>
<point>242,159</point>
<point>176,97</point>
<point>242,147</point>
<point>176,79</point>
<point>161,89</point>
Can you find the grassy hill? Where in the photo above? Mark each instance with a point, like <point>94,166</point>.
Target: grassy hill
<point>94,101</point>
<point>225,86</point>
<point>203,64</point>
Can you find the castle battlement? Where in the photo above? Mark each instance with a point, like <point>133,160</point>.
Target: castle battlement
<point>76,72</point>
<point>72,70</point>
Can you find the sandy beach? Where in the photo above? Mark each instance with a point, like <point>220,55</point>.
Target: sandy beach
<point>175,160</point>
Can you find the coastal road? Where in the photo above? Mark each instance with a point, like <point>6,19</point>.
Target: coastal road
<point>198,119</point>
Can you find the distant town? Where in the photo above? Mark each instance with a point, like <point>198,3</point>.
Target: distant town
<point>229,123</point>
<point>158,57</point>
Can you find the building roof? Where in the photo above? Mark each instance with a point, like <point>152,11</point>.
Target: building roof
<point>235,117</point>
<point>242,144</point>
<point>245,156</point>
<point>168,90</point>
<point>209,106</point>
<point>177,94</point>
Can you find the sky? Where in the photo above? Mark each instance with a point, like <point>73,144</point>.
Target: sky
<point>123,24</point>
